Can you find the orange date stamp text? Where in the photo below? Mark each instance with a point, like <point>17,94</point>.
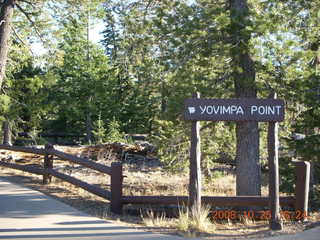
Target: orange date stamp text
<point>257,215</point>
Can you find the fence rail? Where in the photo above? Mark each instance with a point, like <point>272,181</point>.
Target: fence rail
<point>88,187</point>
<point>81,161</point>
<point>117,200</point>
<point>47,170</point>
<point>216,201</point>
<point>65,156</point>
<point>25,168</point>
<point>39,151</point>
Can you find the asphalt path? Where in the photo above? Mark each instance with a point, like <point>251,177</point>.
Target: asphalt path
<point>29,214</point>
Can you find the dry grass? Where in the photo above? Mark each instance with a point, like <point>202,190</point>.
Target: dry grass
<point>195,221</point>
<point>150,219</point>
<point>246,221</point>
<point>187,222</point>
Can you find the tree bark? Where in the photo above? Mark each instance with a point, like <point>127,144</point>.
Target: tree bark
<point>247,154</point>
<point>88,116</point>
<point>89,127</point>
<point>6,133</point>
<point>6,13</point>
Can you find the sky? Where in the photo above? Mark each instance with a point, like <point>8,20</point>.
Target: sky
<point>94,35</point>
<point>95,32</point>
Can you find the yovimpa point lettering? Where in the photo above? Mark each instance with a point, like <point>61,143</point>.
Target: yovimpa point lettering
<point>213,109</point>
<point>266,110</point>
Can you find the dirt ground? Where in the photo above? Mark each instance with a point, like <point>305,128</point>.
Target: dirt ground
<point>144,177</point>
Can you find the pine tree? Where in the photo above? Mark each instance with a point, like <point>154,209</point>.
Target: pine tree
<point>99,132</point>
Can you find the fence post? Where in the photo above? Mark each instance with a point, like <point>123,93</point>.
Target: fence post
<point>47,164</point>
<point>302,179</point>
<point>273,163</point>
<point>195,167</point>
<point>116,187</point>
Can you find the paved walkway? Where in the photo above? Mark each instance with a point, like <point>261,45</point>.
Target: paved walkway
<point>312,234</point>
<point>29,214</point>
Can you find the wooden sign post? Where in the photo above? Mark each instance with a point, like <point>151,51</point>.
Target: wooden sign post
<point>274,202</point>
<point>194,166</point>
<point>249,109</point>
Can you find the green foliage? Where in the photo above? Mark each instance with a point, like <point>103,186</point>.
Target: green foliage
<point>286,173</point>
<point>172,140</point>
<point>28,94</point>
<point>114,134</point>
<point>99,132</point>
<point>84,78</point>
<point>308,148</point>
<point>4,103</point>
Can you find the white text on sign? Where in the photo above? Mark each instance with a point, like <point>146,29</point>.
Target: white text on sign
<point>238,110</point>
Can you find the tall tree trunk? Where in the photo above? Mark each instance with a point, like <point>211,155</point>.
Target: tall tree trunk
<point>315,63</point>
<point>89,127</point>
<point>88,116</point>
<point>247,154</point>
<point>6,133</point>
<point>6,13</point>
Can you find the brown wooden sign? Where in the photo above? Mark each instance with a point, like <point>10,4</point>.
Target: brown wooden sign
<point>249,109</point>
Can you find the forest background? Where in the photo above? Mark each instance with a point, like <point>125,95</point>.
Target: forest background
<point>153,55</point>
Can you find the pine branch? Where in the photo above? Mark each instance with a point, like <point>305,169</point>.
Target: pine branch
<point>28,2</point>
<point>33,24</point>
<point>146,9</point>
<point>21,40</point>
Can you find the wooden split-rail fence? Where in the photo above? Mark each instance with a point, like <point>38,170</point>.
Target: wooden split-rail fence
<point>299,201</point>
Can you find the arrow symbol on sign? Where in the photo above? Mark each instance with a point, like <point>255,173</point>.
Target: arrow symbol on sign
<point>192,110</point>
